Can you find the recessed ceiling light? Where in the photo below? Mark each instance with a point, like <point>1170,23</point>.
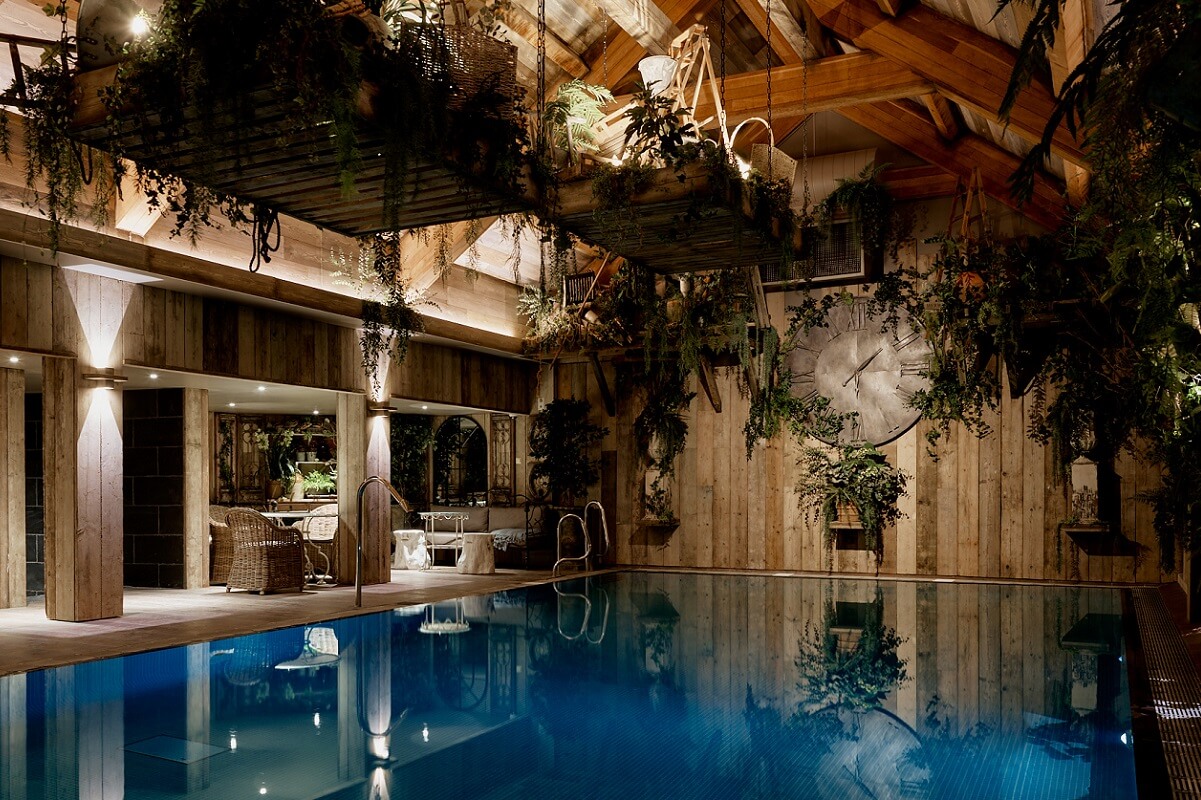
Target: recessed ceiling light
<point>262,388</point>
<point>13,360</point>
<point>233,405</point>
<point>315,411</point>
<point>154,376</point>
<point>425,408</point>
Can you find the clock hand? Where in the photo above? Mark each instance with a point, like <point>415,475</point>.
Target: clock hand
<point>863,366</point>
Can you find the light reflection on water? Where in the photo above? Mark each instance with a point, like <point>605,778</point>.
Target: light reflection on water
<point>638,685</point>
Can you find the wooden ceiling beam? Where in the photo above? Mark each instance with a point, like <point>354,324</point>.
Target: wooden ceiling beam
<point>968,66</point>
<point>525,25</point>
<point>944,116</point>
<point>907,126</point>
<point>892,8</point>
<point>644,21</point>
<point>925,182</point>
<point>823,85</point>
<point>788,40</point>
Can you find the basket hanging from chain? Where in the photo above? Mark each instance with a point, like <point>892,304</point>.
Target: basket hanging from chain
<point>768,160</point>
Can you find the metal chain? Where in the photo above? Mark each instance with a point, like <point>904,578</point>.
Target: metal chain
<point>807,118</point>
<point>722,62</point>
<point>540,140</point>
<point>605,50</point>
<point>770,156</point>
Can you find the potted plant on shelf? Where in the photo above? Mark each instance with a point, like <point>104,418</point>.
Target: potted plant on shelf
<point>859,480</point>
<point>319,483</point>
<point>276,447</point>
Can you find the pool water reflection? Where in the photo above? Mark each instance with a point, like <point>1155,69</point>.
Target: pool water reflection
<point>639,685</point>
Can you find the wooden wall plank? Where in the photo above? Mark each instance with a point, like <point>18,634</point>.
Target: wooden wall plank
<point>12,488</point>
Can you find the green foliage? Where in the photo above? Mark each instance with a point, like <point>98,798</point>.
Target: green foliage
<point>661,432</point>
<point>561,438</point>
<point>858,678</point>
<point>390,323</point>
<point>571,117</point>
<point>319,482</point>
<point>411,437</point>
<point>276,446</point>
<point>189,79</point>
<point>870,208</point>
<point>657,132</point>
<point>861,478</point>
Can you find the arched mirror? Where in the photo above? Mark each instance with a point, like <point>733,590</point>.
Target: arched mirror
<point>460,463</point>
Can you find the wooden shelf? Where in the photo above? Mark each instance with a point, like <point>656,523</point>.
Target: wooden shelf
<point>656,233</point>
<point>298,174</point>
<point>1099,540</point>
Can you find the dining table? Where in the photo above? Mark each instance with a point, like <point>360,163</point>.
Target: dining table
<point>313,575</point>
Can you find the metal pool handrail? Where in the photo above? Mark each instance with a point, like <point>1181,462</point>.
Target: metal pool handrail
<point>358,536</point>
<point>559,557</point>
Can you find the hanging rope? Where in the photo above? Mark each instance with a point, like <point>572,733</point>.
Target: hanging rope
<point>264,223</point>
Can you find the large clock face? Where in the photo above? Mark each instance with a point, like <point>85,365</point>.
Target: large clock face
<point>861,366</point>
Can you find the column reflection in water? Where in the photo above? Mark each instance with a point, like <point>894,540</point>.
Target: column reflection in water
<point>14,736</point>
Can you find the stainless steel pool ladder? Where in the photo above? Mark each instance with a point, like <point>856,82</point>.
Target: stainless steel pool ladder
<point>583,631</point>
<point>358,537</point>
<point>560,559</point>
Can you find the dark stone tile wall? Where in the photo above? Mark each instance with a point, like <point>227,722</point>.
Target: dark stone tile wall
<point>35,531</point>
<point>154,529</point>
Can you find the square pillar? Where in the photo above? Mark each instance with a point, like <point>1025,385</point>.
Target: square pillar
<point>84,511</point>
<point>197,456</point>
<point>363,450</point>
<point>12,488</point>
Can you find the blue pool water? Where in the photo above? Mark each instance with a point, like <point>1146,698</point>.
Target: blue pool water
<point>638,685</point>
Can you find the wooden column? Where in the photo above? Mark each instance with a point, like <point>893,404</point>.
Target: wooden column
<point>12,488</point>
<point>14,735</point>
<point>85,730</point>
<point>363,450</point>
<point>197,457</point>
<point>84,468</point>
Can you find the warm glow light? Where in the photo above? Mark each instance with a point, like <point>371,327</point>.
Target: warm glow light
<point>379,746</point>
<point>139,26</point>
<point>154,376</point>
<point>317,720</point>
<point>315,411</point>
<point>13,360</point>
<point>262,388</point>
<point>262,790</point>
<point>233,405</point>
<point>425,408</point>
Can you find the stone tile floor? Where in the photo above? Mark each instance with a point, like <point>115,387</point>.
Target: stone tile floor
<point>156,618</point>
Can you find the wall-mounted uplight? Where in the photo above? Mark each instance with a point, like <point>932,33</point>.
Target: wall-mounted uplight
<point>106,378</point>
<point>379,410</point>
<point>233,405</point>
<point>315,412</point>
<point>154,376</point>
<point>14,360</point>
<point>425,408</point>
<point>262,388</point>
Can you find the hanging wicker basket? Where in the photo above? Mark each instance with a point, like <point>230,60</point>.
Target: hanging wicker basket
<point>767,159</point>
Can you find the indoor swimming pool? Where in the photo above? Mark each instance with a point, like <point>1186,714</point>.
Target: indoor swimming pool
<point>630,685</point>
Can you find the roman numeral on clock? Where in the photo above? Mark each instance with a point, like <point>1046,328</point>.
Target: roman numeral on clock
<point>859,317</point>
<point>901,344</point>
<point>913,367</point>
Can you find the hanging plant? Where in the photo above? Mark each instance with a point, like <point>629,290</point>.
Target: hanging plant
<point>388,324</point>
<point>661,433</point>
<point>862,479</point>
<point>868,205</point>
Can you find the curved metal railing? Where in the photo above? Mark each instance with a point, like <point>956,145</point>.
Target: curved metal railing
<point>358,536</point>
<point>560,559</point>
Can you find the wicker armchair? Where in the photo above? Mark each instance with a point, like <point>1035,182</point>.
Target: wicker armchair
<point>266,556</point>
<point>221,545</point>
<point>320,537</point>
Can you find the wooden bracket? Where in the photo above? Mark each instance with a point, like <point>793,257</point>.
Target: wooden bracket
<point>709,383</point>
<point>603,385</point>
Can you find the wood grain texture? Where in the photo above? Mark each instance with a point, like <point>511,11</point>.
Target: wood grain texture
<point>12,488</point>
<point>197,458</point>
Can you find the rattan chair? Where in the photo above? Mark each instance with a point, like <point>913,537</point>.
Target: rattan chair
<point>320,537</point>
<point>221,546</point>
<point>266,556</point>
